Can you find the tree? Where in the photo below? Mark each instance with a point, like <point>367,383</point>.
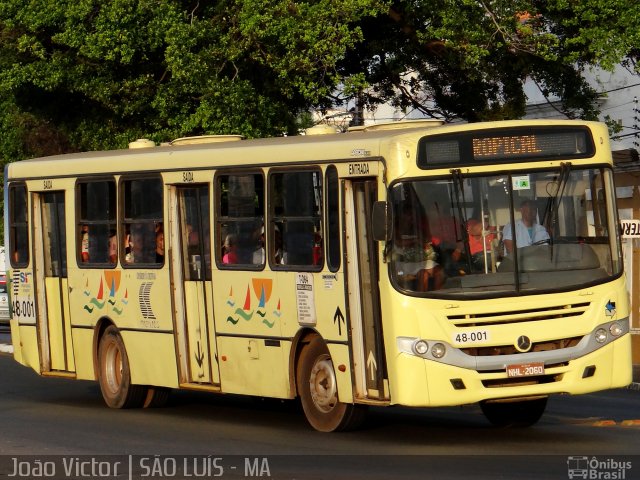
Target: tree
<point>92,74</point>
<point>469,59</point>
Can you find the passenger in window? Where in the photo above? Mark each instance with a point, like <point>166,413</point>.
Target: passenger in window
<point>528,230</point>
<point>142,241</point>
<point>414,252</point>
<point>193,239</point>
<point>280,257</point>
<point>230,248</point>
<point>136,245</point>
<point>159,243</point>
<point>317,248</point>
<point>258,253</point>
<point>445,239</point>
<point>477,249</point>
<point>113,246</point>
<point>84,243</point>
<point>128,248</point>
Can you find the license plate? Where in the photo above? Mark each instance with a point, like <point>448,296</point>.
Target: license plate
<point>525,369</point>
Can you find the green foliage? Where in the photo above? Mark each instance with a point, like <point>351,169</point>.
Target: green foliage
<point>101,73</point>
<point>470,58</point>
<point>90,74</point>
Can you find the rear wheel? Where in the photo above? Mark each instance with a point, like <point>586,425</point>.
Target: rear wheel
<point>156,397</point>
<point>522,413</point>
<point>318,390</point>
<point>115,376</point>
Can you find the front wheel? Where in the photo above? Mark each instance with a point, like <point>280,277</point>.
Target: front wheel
<point>318,390</point>
<point>115,376</point>
<point>522,413</point>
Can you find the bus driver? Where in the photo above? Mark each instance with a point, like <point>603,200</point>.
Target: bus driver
<point>528,230</point>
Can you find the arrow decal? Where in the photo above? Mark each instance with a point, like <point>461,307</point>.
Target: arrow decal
<point>199,355</point>
<point>339,318</point>
<point>372,366</point>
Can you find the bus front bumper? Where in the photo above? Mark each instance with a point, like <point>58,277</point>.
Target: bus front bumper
<point>458,379</point>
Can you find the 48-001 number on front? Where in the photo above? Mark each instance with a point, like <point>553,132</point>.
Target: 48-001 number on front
<point>471,337</point>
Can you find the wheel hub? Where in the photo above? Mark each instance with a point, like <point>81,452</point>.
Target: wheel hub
<point>113,368</point>
<point>322,383</point>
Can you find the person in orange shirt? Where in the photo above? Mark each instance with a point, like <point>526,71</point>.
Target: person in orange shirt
<point>477,248</point>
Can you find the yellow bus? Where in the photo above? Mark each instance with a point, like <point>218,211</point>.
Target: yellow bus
<point>416,264</point>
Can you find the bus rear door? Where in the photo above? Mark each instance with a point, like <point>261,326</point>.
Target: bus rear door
<point>54,325</point>
<point>190,248</point>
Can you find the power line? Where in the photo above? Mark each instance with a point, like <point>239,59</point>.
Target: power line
<point>621,88</point>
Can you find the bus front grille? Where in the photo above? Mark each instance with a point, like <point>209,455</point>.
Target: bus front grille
<point>511,349</point>
<point>574,310</point>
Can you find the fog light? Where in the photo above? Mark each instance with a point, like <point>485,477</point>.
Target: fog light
<point>421,347</point>
<point>438,350</point>
<point>615,329</point>
<point>601,335</point>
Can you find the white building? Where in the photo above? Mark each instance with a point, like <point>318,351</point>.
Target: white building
<point>619,100</point>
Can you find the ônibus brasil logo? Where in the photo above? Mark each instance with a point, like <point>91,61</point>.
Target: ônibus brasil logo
<point>597,468</point>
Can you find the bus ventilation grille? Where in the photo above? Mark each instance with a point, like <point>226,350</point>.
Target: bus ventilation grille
<point>546,346</point>
<point>573,310</point>
<point>519,382</point>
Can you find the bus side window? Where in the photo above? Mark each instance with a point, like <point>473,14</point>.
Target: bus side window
<point>143,213</point>
<point>297,218</point>
<point>96,223</point>
<point>333,218</point>
<point>18,226</point>
<point>240,220</point>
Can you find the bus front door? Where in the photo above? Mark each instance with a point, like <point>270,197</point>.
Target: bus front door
<point>191,266</point>
<point>364,301</point>
<point>52,285</point>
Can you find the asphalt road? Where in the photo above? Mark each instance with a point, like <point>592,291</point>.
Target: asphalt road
<point>67,419</point>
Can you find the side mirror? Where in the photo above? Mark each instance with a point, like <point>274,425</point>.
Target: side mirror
<point>381,221</point>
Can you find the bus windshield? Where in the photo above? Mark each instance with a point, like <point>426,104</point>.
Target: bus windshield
<point>518,232</point>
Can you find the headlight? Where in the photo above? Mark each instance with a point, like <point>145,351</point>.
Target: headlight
<point>601,335</point>
<point>615,329</point>
<point>420,347</point>
<point>438,350</point>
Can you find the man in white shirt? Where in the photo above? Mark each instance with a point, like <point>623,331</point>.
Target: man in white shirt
<point>528,230</point>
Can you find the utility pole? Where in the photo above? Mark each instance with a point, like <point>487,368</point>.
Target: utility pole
<point>636,122</point>
<point>357,112</point>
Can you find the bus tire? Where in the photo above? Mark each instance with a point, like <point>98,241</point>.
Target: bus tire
<point>517,414</point>
<point>115,376</point>
<point>318,390</point>
<point>156,397</point>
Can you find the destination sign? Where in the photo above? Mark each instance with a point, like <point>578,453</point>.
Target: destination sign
<point>505,145</point>
<point>492,146</point>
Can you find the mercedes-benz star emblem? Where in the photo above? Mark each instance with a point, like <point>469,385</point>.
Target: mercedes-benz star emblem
<point>523,344</point>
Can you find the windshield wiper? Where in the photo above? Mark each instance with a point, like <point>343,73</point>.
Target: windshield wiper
<point>458,188</point>
<point>550,218</point>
